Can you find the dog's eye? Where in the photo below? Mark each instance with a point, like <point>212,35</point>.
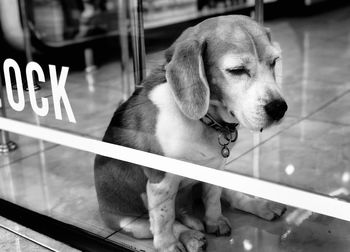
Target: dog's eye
<point>273,63</point>
<point>238,71</point>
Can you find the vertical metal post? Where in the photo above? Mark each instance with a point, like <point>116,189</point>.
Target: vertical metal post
<point>27,36</point>
<point>138,40</point>
<point>124,43</point>
<point>89,60</point>
<point>6,145</point>
<point>305,78</point>
<point>259,11</point>
<point>90,68</point>
<point>259,17</point>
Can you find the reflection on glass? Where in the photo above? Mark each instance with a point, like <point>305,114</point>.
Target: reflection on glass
<point>248,246</point>
<point>346,177</point>
<point>290,169</point>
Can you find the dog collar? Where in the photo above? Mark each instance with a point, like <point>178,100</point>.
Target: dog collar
<point>227,133</point>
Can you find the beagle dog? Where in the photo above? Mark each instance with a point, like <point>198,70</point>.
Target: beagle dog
<point>220,73</point>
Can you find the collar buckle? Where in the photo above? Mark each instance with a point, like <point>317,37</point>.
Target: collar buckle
<point>227,133</point>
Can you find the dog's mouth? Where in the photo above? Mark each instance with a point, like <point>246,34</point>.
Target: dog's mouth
<point>246,123</point>
<point>234,117</point>
<point>233,114</point>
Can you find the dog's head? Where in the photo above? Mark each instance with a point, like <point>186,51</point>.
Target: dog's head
<point>231,65</point>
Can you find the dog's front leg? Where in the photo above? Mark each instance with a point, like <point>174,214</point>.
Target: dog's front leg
<point>161,205</point>
<point>215,222</point>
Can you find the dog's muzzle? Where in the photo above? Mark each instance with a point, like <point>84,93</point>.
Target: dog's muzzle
<point>276,109</point>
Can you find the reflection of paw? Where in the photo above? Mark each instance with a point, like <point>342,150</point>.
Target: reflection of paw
<point>168,244</point>
<point>220,227</point>
<point>175,247</point>
<point>270,210</point>
<point>193,240</point>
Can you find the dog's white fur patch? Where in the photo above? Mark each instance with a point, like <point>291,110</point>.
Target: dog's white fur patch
<point>161,201</point>
<point>181,137</point>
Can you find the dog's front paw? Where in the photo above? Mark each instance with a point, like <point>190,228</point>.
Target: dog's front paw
<point>193,240</point>
<point>168,244</point>
<point>269,210</point>
<point>219,227</point>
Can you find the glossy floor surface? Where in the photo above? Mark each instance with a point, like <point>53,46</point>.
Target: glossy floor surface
<point>14,237</point>
<point>309,150</point>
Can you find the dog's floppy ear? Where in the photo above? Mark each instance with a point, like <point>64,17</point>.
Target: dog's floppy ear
<point>186,76</point>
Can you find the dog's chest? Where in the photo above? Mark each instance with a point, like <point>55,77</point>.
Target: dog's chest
<point>181,137</point>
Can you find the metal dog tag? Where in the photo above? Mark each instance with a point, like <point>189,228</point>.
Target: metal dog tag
<point>225,152</point>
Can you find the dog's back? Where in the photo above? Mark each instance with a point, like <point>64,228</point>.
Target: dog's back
<point>119,184</point>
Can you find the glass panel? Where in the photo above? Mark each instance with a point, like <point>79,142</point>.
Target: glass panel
<point>309,150</point>
<point>59,182</point>
<point>59,21</point>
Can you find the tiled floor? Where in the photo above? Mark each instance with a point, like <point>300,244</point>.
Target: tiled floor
<point>309,150</point>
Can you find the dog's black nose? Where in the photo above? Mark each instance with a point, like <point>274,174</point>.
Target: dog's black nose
<point>276,109</point>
